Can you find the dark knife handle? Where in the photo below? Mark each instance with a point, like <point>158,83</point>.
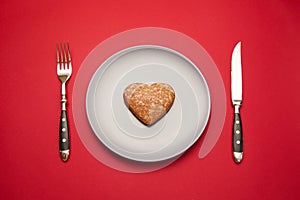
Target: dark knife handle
<point>237,138</point>
<point>64,137</point>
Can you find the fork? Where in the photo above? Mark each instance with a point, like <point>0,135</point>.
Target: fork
<point>64,71</point>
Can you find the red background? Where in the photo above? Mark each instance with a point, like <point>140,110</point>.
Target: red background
<point>30,108</point>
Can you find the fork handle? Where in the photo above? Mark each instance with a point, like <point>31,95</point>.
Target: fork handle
<point>64,137</point>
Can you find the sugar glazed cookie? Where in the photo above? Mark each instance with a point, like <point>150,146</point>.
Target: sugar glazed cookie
<point>149,103</point>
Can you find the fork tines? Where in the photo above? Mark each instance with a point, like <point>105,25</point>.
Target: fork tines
<point>63,56</point>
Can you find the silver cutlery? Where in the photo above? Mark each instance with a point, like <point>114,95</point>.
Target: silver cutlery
<point>64,71</point>
<point>236,98</point>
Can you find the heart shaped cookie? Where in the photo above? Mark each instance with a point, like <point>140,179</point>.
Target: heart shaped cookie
<point>149,103</point>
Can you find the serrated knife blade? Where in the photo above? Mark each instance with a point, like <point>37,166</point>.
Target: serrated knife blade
<point>236,98</point>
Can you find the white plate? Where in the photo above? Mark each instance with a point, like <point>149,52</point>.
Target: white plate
<point>117,128</point>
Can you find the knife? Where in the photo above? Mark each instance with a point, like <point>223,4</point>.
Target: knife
<point>236,98</point>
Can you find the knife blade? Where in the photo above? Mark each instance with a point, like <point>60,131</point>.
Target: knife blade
<point>236,98</point>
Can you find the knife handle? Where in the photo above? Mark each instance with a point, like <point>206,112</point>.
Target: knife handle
<point>237,137</point>
<point>64,137</point>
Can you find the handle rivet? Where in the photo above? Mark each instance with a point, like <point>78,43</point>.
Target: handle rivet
<point>63,129</point>
<point>237,132</point>
<point>64,140</point>
<point>238,142</point>
<point>63,119</point>
<point>237,122</point>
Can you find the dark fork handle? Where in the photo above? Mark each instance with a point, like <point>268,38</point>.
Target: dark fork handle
<point>64,137</point>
